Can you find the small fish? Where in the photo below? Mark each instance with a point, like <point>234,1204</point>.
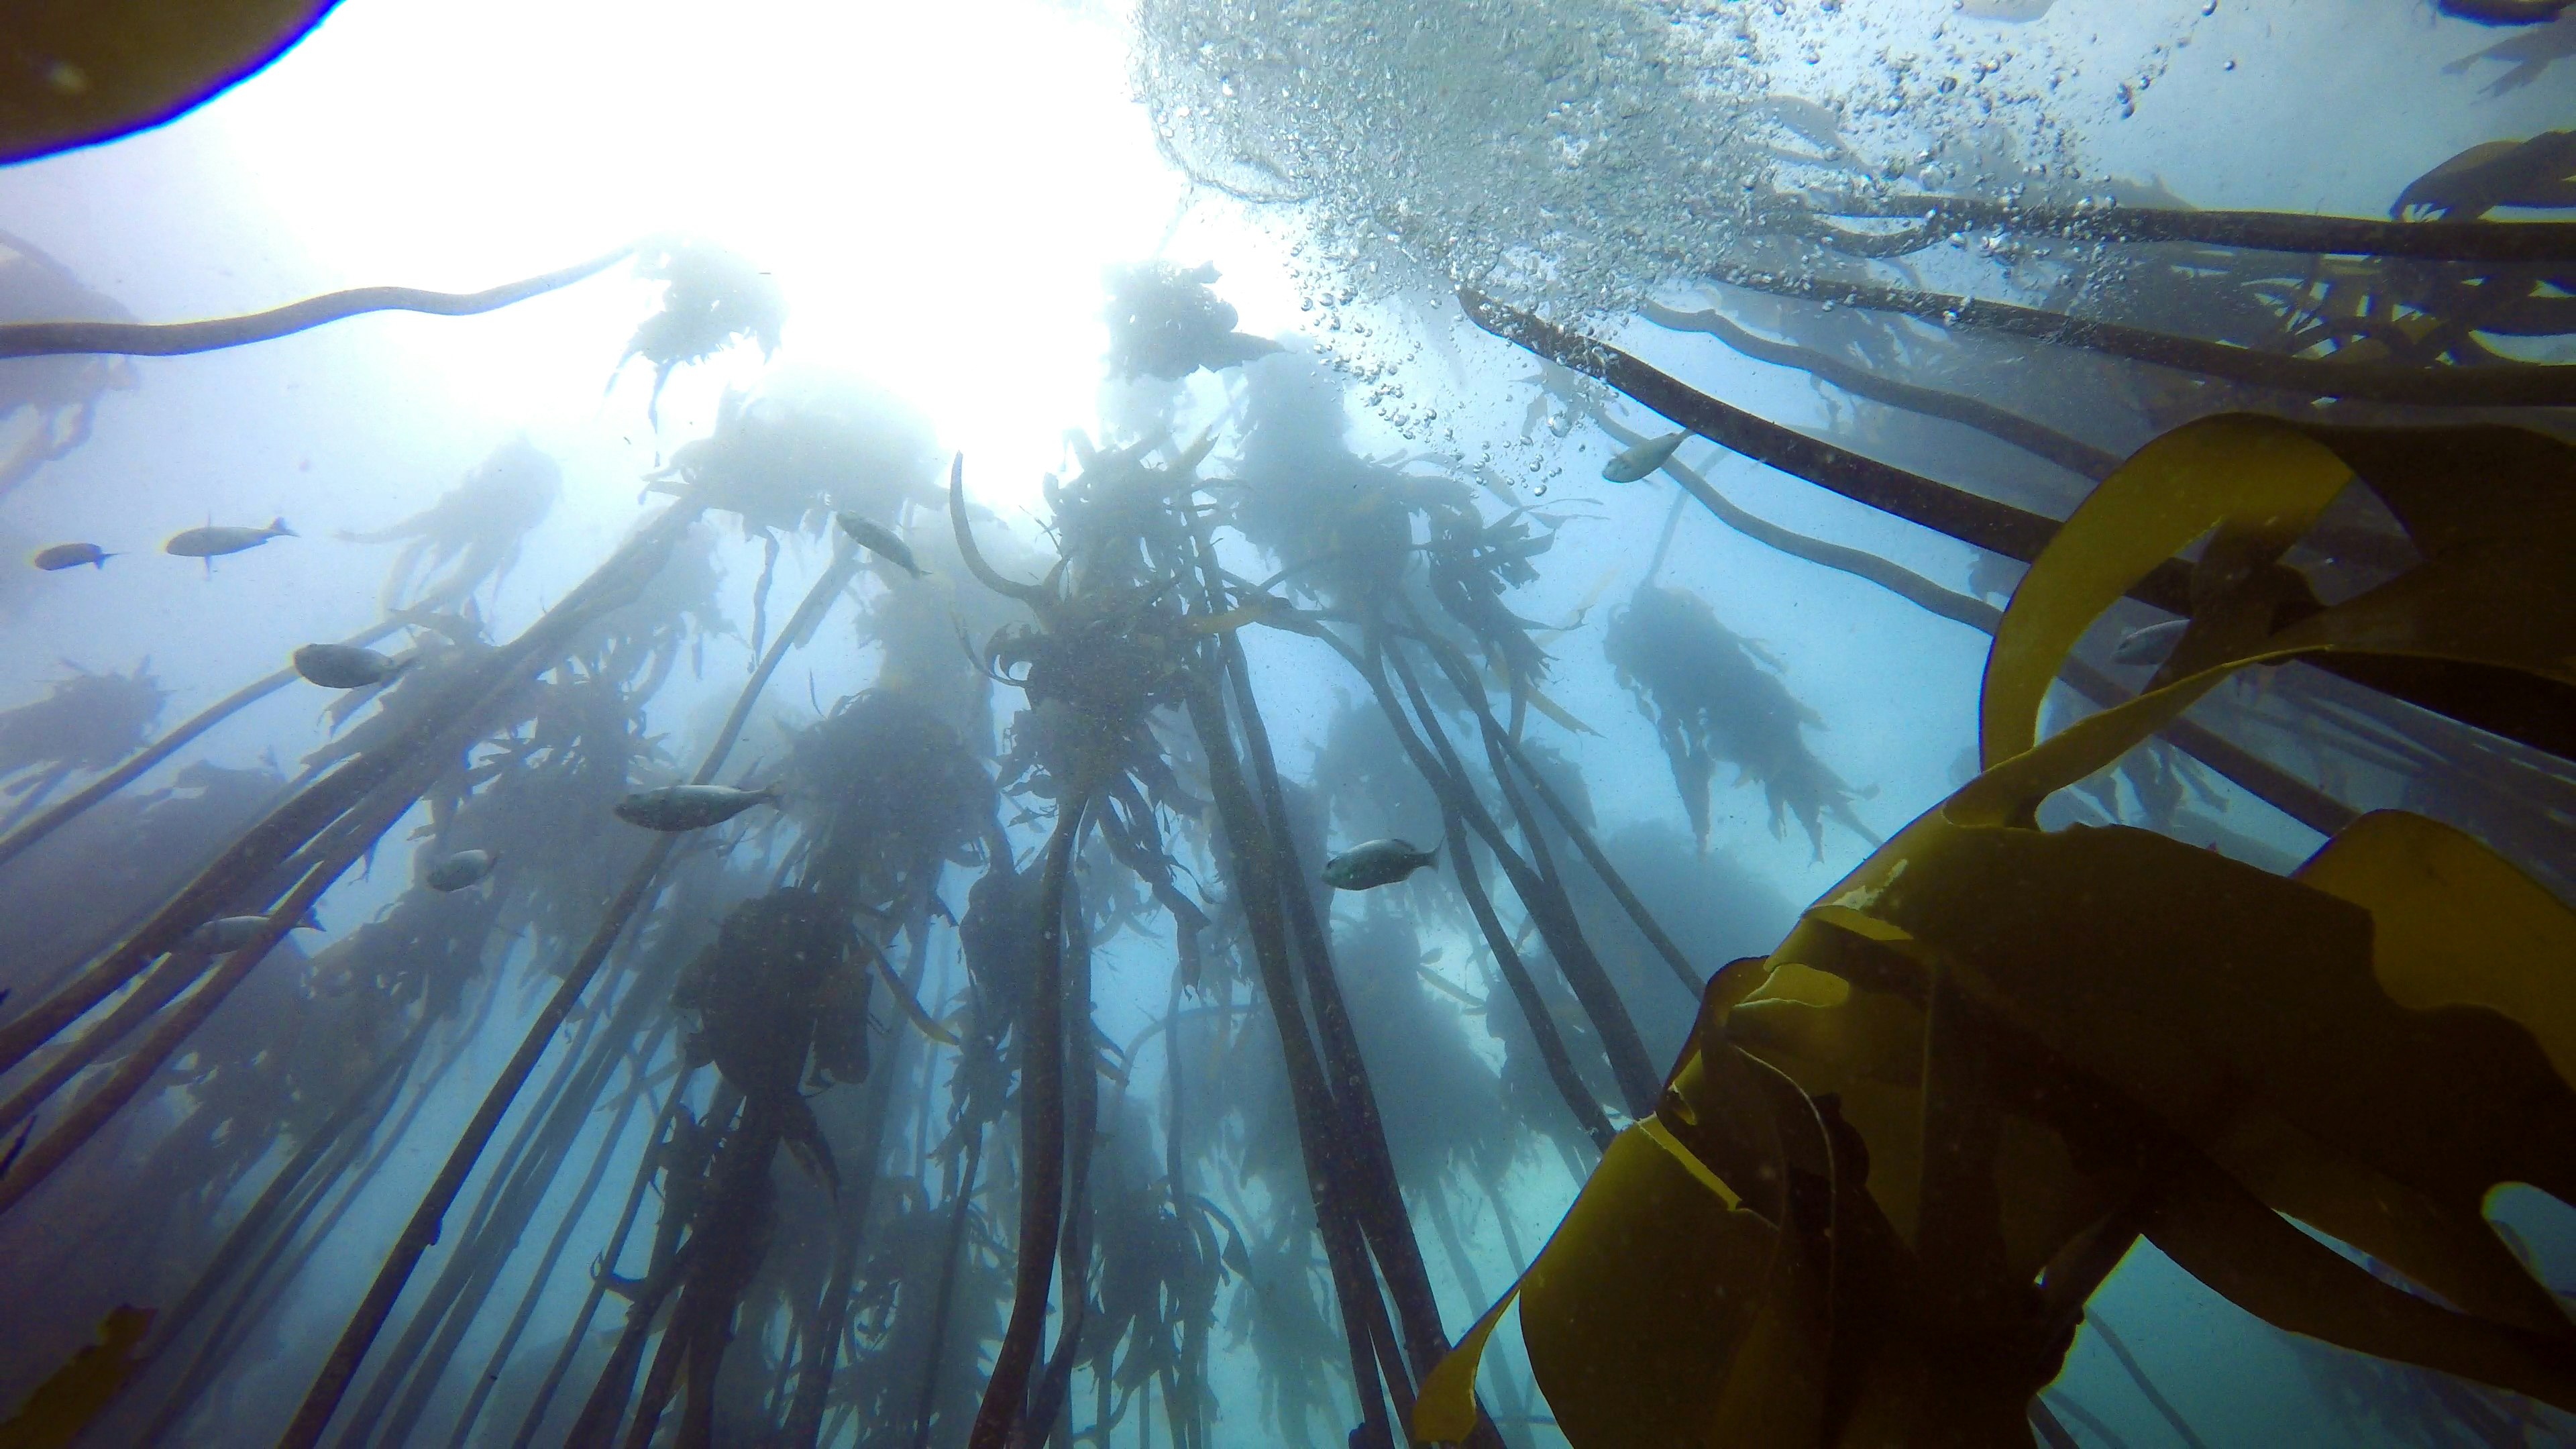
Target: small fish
<point>1635,463</point>
<point>218,539</point>
<point>1377,863</point>
<point>2015,12</point>
<point>689,807</point>
<point>460,870</point>
<point>2151,645</point>
<point>231,933</point>
<point>346,666</point>
<point>70,556</point>
<point>877,539</point>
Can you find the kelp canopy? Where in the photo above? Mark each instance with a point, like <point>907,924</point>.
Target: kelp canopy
<point>1002,1072</point>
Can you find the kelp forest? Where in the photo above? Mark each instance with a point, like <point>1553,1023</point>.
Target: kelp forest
<point>592,1043</point>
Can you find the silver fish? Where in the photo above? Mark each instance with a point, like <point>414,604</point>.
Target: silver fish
<point>877,539</point>
<point>231,933</point>
<point>1636,462</point>
<point>70,556</point>
<point>689,807</point>
<point>2151,645</point>
<point>1376,863</point>
<point>218,539</point>
<point>346,666</point>
<point>460,870</point>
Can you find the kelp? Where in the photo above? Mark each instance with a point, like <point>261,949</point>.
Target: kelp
<point>472,535</point>
<point>174,339</point>
<point>69,1401</point>
<point>93,72</point>
<point>1165,322</point>
<point>60,395</point>
<point>1903,1149</point>
<point>711,299</point>
<point>1716,697</point>
<point>86,721</point>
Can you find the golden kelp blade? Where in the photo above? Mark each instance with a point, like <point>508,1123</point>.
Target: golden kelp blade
<point>1651,1374</point>
<point>2455,924</point>
<point>2260,479</point>
<point>67,1403</point>
<point>78,72</point>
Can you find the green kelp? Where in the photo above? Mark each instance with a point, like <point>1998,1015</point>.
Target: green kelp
<point>1903,1150</point>
<point>1716,696</point>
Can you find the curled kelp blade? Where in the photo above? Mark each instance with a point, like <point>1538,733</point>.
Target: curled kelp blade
<point>84,71</point>
<point>2484,628</point>
<point>2262,481</point>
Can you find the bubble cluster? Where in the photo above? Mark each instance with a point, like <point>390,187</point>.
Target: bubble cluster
<point>1577,156</point>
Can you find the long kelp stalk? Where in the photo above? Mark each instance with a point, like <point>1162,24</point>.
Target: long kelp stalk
<point>1082,1113</point>
<point>2248,771</point>
<point>2273,231</point>
<point>139,1068</point>
<point>172,339</point>
<point>682,1160</point>
<point>944,1297</point>
<point>447,725</point>
<point>512,1193</point>
<point>264,1286</point>
<point>1499,746</point>
<point>1322,1148</point>
<point>543,1273</point>
<point>1542,1023</point>
<point>1998,528</point>
<point>72,806</point>
<point>1545,900</point>
<point>2497,385</point>
<point>673,1103</point>
<point>323,1399</point>
<point>2037,439</point>
<point>252,1229</point>
<point>1377,1199</point>
<point>1042,1143</point>
<point>830,1320</point>
<point>1500,742</point>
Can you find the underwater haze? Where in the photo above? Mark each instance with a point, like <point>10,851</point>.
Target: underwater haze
<point>1636,725</point>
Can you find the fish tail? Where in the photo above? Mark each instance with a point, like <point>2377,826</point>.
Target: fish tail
<point>277,528</point>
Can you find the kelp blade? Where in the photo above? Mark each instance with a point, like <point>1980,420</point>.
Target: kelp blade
<point>68,1402</point>
<point>84,71</point>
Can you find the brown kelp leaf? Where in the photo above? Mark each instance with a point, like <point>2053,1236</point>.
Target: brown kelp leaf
<point>1654,1373</point>
<point>2456,924</point>
<point>84,71</point>
<point>2227,1238</point>
<point>2261,481</point>
<point>2028,1034</point>
<point>77,1393</point>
